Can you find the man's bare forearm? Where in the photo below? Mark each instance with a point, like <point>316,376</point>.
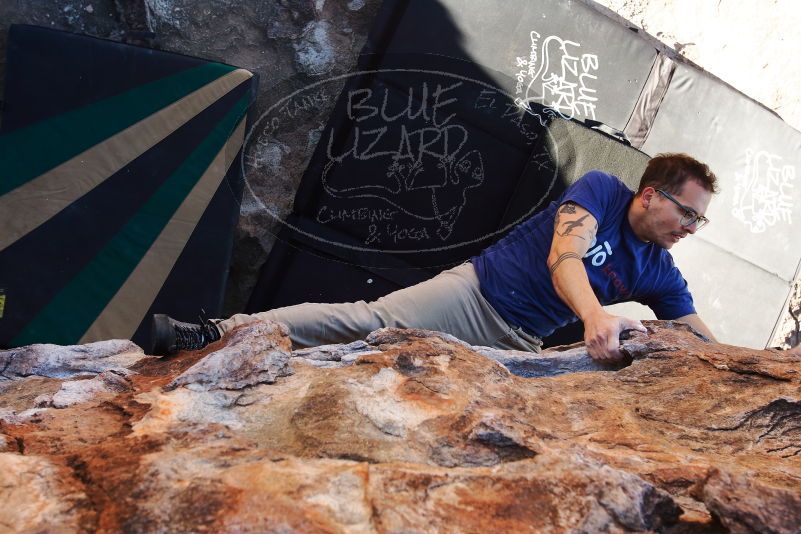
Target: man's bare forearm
<point>569,277</point>
<point>574,229</point>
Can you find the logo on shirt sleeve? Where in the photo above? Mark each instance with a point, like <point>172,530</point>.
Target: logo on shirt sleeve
<point>598,253</point>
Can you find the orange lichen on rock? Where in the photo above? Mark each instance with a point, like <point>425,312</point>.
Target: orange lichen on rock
<point>408,430</point>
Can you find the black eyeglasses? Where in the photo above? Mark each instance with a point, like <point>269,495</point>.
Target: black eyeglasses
<point>690,217</point>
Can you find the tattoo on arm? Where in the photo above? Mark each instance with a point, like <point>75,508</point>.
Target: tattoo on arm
<point>568,207</point>
<point>563,257</point>
<point>569,226</point>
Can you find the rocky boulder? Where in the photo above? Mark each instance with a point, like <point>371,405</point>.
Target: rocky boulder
<point>408,430</point>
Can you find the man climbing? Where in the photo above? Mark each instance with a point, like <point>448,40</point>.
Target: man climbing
<point>598,244</point>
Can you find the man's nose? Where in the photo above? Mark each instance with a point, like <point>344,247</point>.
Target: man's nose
<point>691,228</point>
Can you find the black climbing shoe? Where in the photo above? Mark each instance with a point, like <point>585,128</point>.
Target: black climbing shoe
<point>169,336</point>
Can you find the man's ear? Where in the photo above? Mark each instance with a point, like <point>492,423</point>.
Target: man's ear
<point>646,196</point>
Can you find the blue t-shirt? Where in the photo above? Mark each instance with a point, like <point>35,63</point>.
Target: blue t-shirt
<point>515,279</point>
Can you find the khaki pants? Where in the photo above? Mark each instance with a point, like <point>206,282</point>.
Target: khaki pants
<point>450,302</point>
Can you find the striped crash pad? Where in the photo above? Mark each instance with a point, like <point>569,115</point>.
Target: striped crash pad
<point>118,186</point>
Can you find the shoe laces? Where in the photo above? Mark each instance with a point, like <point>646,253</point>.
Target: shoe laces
<point>191,337</point>
<point>196,336</point>
<point>208,327</point>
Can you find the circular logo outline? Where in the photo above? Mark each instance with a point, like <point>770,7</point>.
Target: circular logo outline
<point>347,75</point>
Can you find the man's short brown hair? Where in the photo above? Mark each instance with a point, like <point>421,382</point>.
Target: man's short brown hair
<point>670,172</point>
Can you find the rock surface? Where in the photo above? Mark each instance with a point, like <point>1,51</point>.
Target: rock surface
<point>788,332</point>
<point>55,361</point>
<point>256,354</point>
<point>408,430</point>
